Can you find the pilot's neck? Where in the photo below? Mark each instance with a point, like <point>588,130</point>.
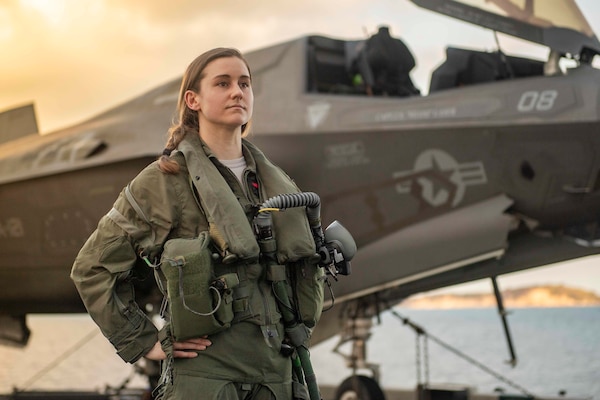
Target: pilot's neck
<point>224,143</point>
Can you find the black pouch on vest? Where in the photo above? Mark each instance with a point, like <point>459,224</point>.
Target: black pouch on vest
<point>200,303</point>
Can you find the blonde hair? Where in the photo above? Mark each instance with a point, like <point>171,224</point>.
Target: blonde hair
<point>186,119</point>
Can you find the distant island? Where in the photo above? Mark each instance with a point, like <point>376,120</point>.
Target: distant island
<point>533,296</point>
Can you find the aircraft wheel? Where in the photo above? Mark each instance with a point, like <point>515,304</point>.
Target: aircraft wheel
<point>359,387</point>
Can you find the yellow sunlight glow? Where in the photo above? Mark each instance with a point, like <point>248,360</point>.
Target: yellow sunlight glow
<point>52,10</point>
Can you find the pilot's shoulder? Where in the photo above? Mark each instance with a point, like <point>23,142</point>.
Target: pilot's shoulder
<point>152,181</point>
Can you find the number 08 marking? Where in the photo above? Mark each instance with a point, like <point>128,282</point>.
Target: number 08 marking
<point>538,101</point>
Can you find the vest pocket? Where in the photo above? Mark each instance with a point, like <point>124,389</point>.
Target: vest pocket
<point>307,280</point>
<point>200,303</point>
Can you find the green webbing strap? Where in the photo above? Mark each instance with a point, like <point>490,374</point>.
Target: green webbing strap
<point>298,335</point>
<point>138,209</point>
<point>297,368</point>
<point>309,374</point>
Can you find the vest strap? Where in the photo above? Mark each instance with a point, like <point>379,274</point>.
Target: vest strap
<point>276,273</point>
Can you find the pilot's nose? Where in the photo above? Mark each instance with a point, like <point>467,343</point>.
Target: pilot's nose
<point>237,91</point>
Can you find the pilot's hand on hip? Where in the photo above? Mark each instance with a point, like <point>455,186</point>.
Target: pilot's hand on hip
<point>184,349</point>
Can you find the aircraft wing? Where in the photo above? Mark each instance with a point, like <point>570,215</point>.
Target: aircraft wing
<point>559,25</point>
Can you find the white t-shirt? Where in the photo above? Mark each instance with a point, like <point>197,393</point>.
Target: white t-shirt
<point>237,166</point>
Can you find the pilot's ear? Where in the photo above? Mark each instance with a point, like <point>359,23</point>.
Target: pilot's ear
<point>192,100</point>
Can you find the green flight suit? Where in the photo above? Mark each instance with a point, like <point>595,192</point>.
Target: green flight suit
<point>239,362</point>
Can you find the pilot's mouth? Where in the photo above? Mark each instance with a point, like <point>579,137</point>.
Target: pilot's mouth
<point>237,106</point>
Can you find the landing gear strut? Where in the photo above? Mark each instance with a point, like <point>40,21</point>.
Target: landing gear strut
<point>358,320</point>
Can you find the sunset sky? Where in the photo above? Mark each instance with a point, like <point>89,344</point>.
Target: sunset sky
<point>76,58</point>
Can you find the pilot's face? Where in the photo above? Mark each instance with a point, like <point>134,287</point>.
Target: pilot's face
<point>225,98</point>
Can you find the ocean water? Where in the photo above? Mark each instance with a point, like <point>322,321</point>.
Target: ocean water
<point>558,349</point>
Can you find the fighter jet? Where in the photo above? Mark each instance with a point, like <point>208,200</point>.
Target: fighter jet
<point>495,170</point>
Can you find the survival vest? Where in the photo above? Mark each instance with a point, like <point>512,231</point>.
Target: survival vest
<point>217,279</point>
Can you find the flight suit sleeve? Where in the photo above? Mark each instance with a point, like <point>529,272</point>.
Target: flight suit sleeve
<point>102,271</point>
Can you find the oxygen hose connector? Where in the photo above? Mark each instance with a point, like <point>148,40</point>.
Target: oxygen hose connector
<point>336,246</point>
<point>310,200</point>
